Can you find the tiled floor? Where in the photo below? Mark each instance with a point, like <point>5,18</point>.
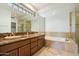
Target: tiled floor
<point>46,51</point>
<point>57,48</point>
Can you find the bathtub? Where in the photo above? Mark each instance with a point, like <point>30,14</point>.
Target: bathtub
<point>61,39</point>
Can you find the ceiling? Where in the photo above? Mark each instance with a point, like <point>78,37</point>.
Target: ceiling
<point>39,6</point>
<point>51,9</point>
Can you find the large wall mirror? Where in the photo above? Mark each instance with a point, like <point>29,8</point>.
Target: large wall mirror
<point>14,17</point>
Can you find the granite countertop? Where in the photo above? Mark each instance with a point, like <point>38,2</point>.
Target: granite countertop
<point>24,37</point>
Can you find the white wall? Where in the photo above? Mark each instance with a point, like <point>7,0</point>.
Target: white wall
<point>5,18</point>
<point>56,20</point>
<point>57,24</point>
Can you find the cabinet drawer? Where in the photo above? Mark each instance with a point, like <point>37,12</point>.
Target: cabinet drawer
<point>33,44</point>
<point>33,50</point>
<point>34,39</point>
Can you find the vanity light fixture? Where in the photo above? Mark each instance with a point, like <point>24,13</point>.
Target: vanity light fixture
<point>22,8</point>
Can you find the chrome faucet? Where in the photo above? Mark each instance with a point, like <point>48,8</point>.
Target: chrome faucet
<point>12,34</point>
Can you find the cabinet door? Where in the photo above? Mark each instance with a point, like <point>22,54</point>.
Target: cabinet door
<point>13,53</point>
<point>25,50</point>
<point>33,44</point>
<point>41,42</point>
<point>34,50</point>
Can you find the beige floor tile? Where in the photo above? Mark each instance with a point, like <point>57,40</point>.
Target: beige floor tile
<point>46,51</point>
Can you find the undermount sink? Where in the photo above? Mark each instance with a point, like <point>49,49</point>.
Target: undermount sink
<point>12,37</point>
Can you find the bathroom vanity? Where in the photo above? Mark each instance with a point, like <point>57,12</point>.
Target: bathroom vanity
<point>22,46</point>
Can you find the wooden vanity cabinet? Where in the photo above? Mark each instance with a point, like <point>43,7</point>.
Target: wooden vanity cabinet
<point>25,47</point>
